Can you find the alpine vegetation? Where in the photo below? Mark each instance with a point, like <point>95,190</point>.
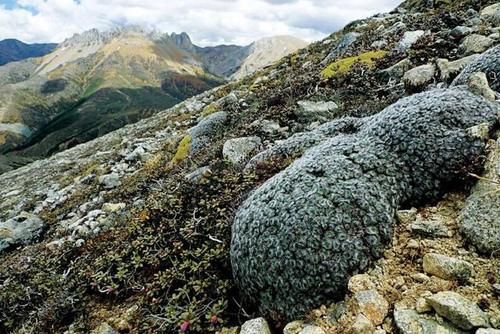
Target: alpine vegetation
<point>298,238</point>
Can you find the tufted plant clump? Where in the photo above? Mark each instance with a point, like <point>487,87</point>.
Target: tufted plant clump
<point>299,237</point>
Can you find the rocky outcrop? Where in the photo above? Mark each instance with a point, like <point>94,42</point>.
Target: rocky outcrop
<point>20,230</point>
<point>479,219</point>
<point>266,51</point>
<point>239,150</point>
<point>297,239</point>
<point>409,38</point>
<point>310,111</point>
<point>201,135</point>
<point>458,310</point>
<point>341,47</point>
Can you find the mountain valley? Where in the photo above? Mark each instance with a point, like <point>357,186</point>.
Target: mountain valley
<point>96,82</point>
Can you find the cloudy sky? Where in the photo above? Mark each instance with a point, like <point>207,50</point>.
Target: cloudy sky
<point>208,22</point>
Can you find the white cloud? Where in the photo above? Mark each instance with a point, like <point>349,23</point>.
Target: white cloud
<point>207,22</point>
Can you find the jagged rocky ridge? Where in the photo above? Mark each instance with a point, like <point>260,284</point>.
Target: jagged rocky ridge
<point>135,226</point>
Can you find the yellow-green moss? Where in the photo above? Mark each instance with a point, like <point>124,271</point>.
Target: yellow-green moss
<point>183,149</point>
<point>343,66</point>
<point>255,86</point>
<point>210,109</point>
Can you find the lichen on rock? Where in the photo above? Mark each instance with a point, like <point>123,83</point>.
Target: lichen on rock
<point>343,66</point>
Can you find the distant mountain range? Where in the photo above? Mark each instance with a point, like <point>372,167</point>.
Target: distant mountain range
<point>96,82</point>
<point>14,50</point>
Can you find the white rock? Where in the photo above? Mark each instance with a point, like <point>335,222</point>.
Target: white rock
<point>410,322</point>
<point>362,325</point>
<point>198,174</point>
<point>419,76</point>
<point>314,111</point>
<point>135,154</point>
<point>475,44</point>
<point>478,84</point>
<point>372,305</point>
<point>491,14</point>
<point>430,227</point>
<point>409,38</point>
<point>397,70</point>
<point>379,44</point>
<point>255,326</point>
<point>110,181</point>
<point>460,32</point>
<point>294,327</point>
<point>446,267</point>
<point>459,310</point>
<point>310,329</point>
<point>239,150</point>
<point>422,306</point>
<point>104,328</point>
<point>420,277</point>
<point>113,207</point>
<point>20,230</point>
<point>406,217</point>
<point>267,126</point>
<point>360,282</point>
<point>94,214</point>
<point>488,331</point>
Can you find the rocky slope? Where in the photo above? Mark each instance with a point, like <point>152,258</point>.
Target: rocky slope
<point>234,62</point>
<point>265,52</point>
<point>377,149</point>
<point>96,82</point>
<point>14,50</point>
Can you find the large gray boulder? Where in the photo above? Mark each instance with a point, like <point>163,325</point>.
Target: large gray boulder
<point>419,76</point>
<point>409,38</point>
<point>20,230</point>
<point>491,14</point>
<point>479,220</point>
<point>239,150</point>
<point>310,111</point>
<point>408,321</point>
<point>459,310</point>
<point>203,133</point>
<point>475,44</point>
<point>341,47</point>
<point>110,181</point>
<point>299,237</point>
<point>255,326</point>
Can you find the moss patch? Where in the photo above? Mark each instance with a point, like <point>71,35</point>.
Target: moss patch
<point>343,66</point>
<point>210,109</point>
<point>182,150</point>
